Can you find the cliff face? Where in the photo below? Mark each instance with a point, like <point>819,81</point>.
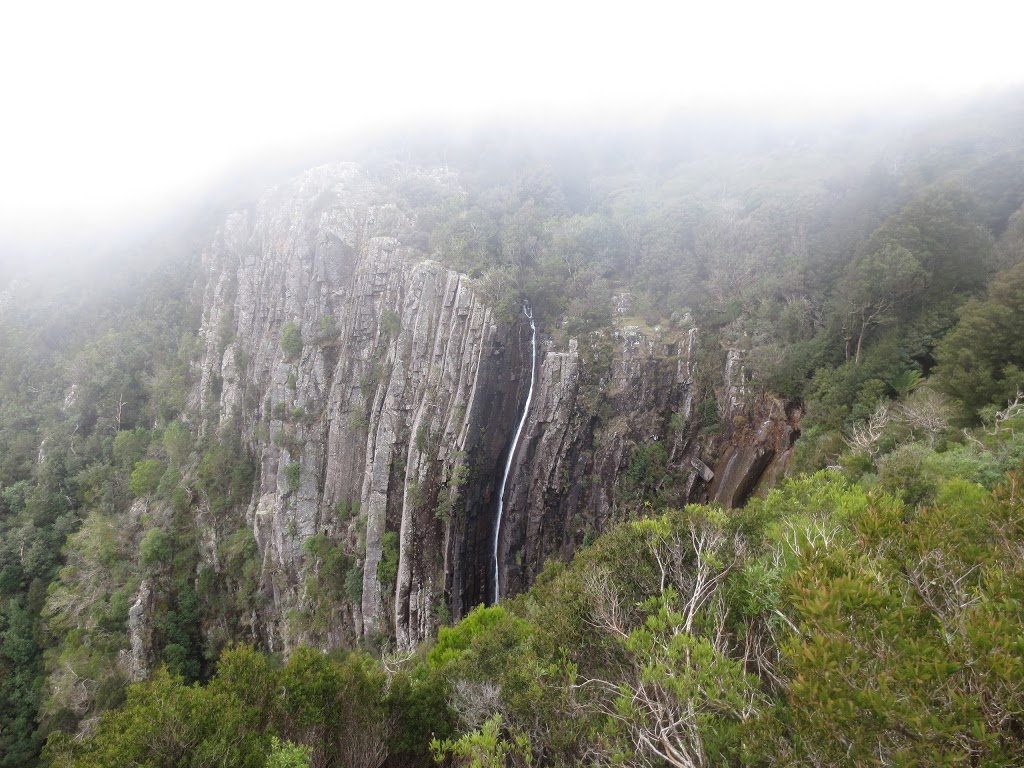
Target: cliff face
<point>371,383</point>
<point>379,393</point>
<point>590,429</point>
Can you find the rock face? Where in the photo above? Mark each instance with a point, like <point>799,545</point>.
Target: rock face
<point>379,393</point>
<point>139,633</point>
<point>591,421</point>
<point>759,433</point>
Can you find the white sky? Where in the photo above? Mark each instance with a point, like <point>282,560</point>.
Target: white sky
<point>110,107</point>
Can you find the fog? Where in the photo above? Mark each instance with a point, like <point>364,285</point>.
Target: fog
<point>114,112</point>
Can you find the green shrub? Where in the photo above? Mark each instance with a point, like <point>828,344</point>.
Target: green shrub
<point>130,446</point>
<point>347,510</point>
<point>156,548</point>
<point>387,568</point>
<point>285,754</point>
<point>291,341</point>
<point>708,416</point>
<point>329,330</point>
<point>390,323</point>
<point>293,473</point>
<point>168,482</point>
<point>177,442</point>
<point>146,477</point>
<point>354,585</point>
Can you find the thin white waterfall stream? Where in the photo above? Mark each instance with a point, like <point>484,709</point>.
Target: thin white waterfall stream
<point>512,449</point>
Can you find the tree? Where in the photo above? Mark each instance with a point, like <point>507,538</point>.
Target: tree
<point>146,477</point>
<point>485,747</point>
<point>20,664</point>
<point>156,548</point>
<point>130,446</point>
<point>942,229</point>
<point>981,361</point>
<point>865,436</point>
<point>166,724</point>
<point>177,441</point>
<point>872,288</point>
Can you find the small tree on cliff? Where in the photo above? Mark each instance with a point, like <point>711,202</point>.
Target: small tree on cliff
<point>291,341</point>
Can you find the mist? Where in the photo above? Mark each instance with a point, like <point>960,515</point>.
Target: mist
<point>119,115</point>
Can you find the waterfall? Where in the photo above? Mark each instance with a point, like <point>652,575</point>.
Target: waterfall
<point>515,441</point>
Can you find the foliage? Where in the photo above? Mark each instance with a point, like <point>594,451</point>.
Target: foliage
<point>291,341</point>
<point>312,709</point>
<point>872,288</point>
<point>146,477</point>
<point>156,548</point>
<point>390,323</point>
<point>981,361</point>
<point>347,509</point>
<point>130,446</point>
<point>387,567</point>
<point>293,476</point>
<point>226,475</point>
<point>20,667</point>
<point>333,565</point>
<point>166,723</point>
<point>484,748</point>
<point>329,330</point>
<point>708,415</point>
<point>821,624</point>
<point>284,754</point>
<point>647,472</point>
<point>354,585</point>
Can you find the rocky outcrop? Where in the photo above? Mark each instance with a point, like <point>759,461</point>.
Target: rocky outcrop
<point>372,384</point>
<point>592,407</point>
<point>757,448</point>
<point>379,393</point>
<point>140,633</point>
<point>578,462</point>
<point>758,434</point>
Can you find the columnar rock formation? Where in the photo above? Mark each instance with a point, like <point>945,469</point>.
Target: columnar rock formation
<point>379,392</point>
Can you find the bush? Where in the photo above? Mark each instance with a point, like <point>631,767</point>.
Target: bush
<point>156,548</point>
<point>354,585</point>
<point>177,442</point>
<point>291,341</point>
<point>387,568</point>
<point>334,565</point>
<point>130,446</point>
<point>285,754</point>
<point>146,477</point>
<point>708,416</point>
<point>390,323</point>
<point>346,510</point>
<point>293,473</point>
<point>329,330</point>
<point>168,483</point>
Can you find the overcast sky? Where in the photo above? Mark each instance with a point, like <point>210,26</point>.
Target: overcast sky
<point>109,108</point>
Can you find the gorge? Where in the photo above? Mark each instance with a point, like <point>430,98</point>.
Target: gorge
<point>398,404</point>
